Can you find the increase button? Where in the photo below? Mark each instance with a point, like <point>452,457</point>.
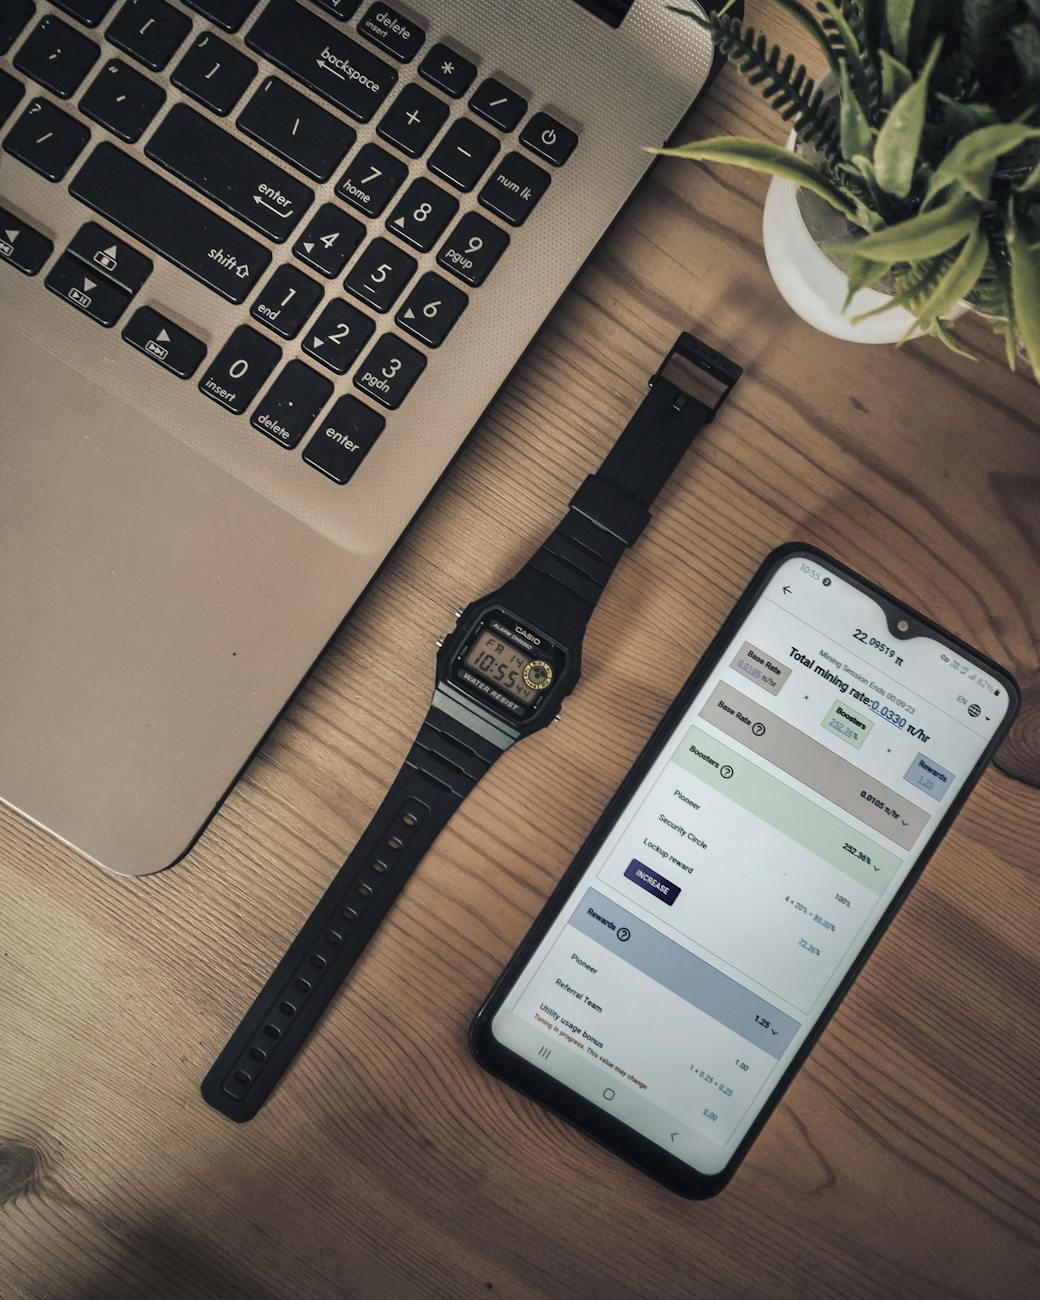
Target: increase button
<point>650,881</point>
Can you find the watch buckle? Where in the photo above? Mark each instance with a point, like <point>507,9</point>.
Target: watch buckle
<point>693,350</point>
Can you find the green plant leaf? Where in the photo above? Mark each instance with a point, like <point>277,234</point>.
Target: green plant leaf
<point>1025,41</point>
<point>1031,184</point>
<point>922,236</point>
<point>957,281</point>
<point>958,119</point>
<point>856,135</point>
<point>895,78</point>
<point>939,331</point>
<point>899,139</point>
<point>898,17</point>
<point>1025,291</point>
<point>862,273</point>
<point>972,160</point>
<point>855,56</point>
<point>761,156</point>
<point>808,23</point>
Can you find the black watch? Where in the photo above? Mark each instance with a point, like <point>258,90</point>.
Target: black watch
<point>502,673</point>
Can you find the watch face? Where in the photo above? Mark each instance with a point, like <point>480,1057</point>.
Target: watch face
<point>507,666</point>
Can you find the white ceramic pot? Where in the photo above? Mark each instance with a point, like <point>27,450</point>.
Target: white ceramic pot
<point>814,286</point>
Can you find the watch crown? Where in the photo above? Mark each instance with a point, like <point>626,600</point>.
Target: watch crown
<point>439,642</point>
<point>458,615</point>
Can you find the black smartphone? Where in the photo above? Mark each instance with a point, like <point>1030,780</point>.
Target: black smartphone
<point>740,877</point>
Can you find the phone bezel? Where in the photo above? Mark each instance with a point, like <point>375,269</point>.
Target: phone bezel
<point>586,1115</point>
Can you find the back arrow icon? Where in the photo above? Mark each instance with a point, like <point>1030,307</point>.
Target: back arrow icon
<point>787,591</point>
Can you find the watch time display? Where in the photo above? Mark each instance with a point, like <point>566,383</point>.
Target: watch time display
<point>507,668</point>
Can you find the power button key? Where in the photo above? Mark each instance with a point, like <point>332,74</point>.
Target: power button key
<point>549,139</point>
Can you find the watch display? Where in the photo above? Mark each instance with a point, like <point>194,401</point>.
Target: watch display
<point>519,675</point>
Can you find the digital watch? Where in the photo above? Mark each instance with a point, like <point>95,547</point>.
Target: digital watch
<point>502,674</point>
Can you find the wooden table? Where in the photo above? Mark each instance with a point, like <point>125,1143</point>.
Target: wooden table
<point>903,1161</point>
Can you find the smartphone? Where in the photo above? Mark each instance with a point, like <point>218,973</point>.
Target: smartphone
<point>727,898</point>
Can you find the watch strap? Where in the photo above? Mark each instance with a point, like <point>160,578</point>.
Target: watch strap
<point>612,507</point>
<point>445,762</point>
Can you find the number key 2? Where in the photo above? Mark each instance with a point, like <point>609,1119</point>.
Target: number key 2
<point>338,335</point>
<point>389,371</point>
<point>422,214</point>
<point>431,309</point>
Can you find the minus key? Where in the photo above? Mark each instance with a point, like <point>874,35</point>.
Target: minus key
<point>168,344</point>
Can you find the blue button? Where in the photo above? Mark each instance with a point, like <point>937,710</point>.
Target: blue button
<point>652,882</point>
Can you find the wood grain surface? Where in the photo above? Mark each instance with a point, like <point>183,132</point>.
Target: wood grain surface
<point>903,1161</point>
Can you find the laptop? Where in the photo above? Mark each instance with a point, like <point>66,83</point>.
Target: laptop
<point>263,264</point>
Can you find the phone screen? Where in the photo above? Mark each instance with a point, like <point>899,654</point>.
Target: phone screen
<point>736,887</point>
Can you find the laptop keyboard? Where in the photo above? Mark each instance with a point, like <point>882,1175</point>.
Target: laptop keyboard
<point>228,181</point>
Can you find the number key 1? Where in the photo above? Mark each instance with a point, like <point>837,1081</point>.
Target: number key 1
<point>431,309</point>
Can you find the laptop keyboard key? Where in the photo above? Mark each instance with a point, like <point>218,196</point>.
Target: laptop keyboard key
<point>46,139</point>
<point>497,104</point>
<point>549,139</point>
<point>123,100</point>
<point>412,120</point>
<point>287,300</point>
<point>11,91</point>
<point>229,172</point>
<point>292,403</point>
<point>514,188</point>
<point>431,309</point>
<point>111,257</point>
<point>448,70</point>
<point>149,31</point>
<point>14,16</point>
<point>167,344</point>
<point>331,64</point>
<point>214,73</point>
<point>329,240</point>
<point>21,246</point>
<point>88,12</point>
<point>166,218</point>
<point>87,290</point>
<point>472,249</point>
<point>422,214</point>
<point>57,56</point>
<point>380,273</point>
<point>345,437</point>
<point>389,371</point>
<point>297,129</point>
<point>338,335</point>
<point>372,179</point>
<point>464,155</point>
<point>228,14</point>
<point>341,9</point>
<point>239,369</point>
<point>393,32</point>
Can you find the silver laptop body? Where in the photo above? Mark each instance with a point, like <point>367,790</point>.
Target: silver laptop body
<point>168,573</point>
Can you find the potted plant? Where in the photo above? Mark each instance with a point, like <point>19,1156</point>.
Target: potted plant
<point>911,183</point>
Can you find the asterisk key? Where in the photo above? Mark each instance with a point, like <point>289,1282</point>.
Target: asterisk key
<point>447,67</point>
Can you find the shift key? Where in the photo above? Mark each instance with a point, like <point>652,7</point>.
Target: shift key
<point>229,172</point>
<point>169,221</point>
